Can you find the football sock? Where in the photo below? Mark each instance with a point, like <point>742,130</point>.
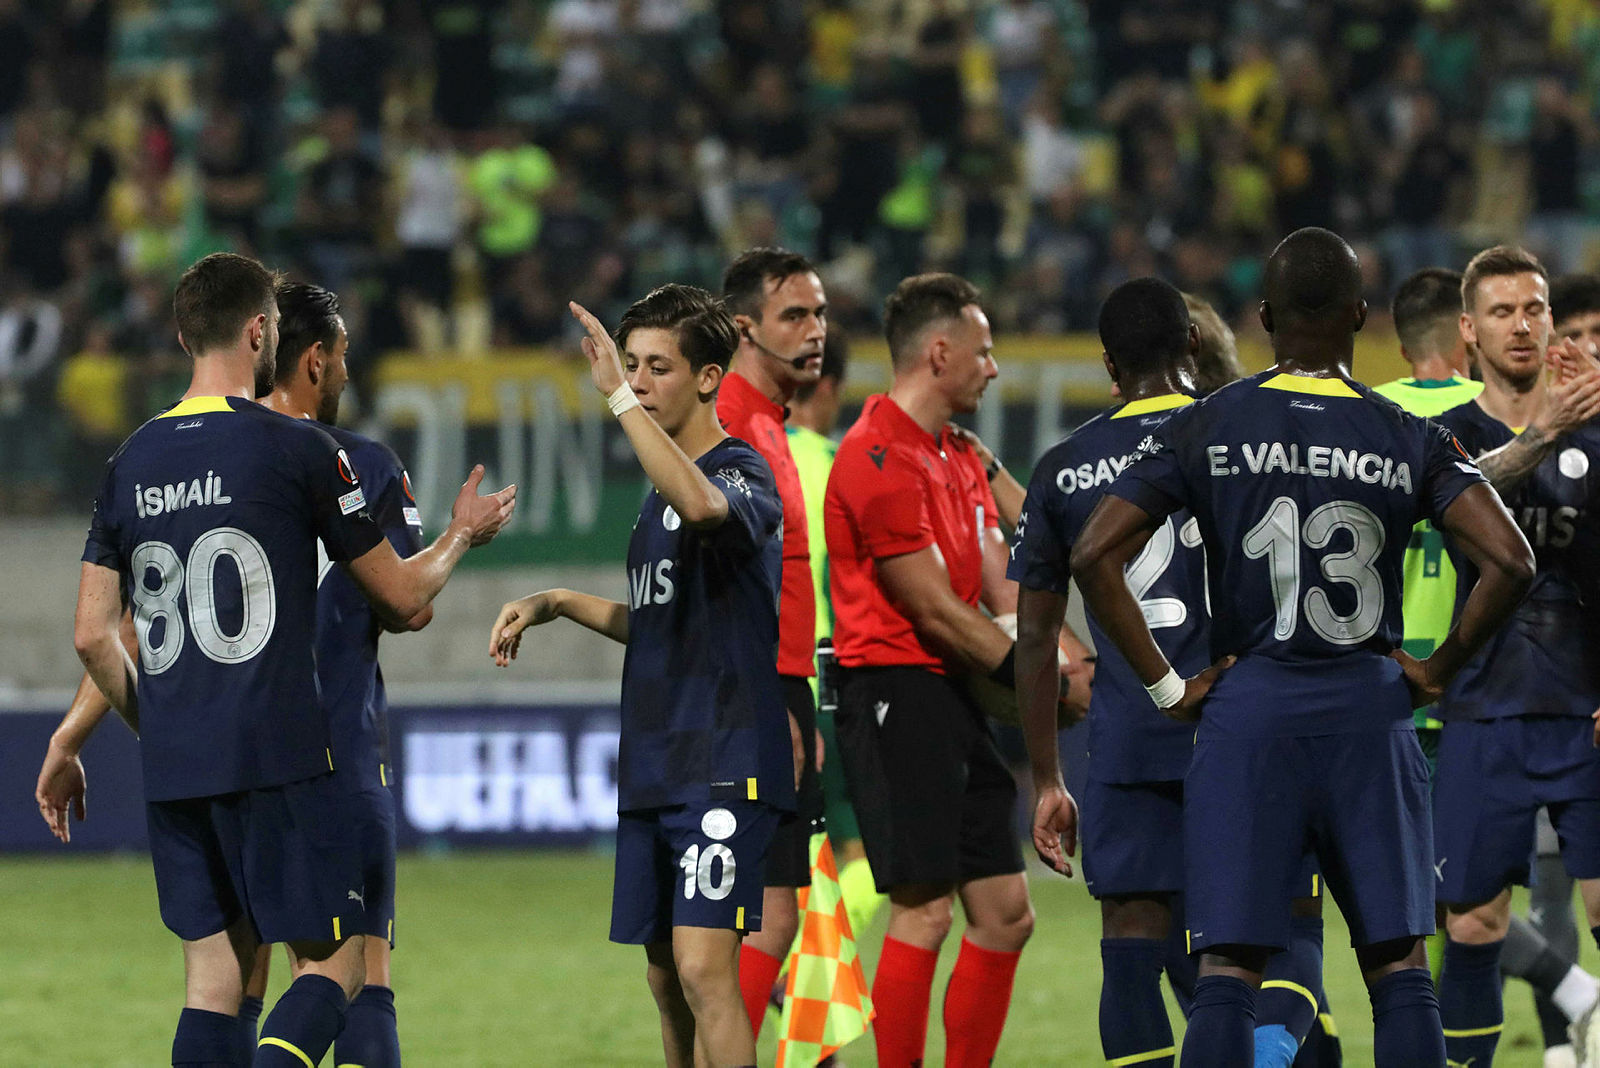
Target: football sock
<point>1405,1021</point>
<point>1133,1018</point>
<point>758,970</point>
<point>370,1038</point>
<point>1222,1024</point>
<point>205,1040</point>
<point>1321,1048</point>
<point>860,892</point>
<point>975,1004</point>
<point>1182,969</point>
<point>1286,1006</point>
<point>249,1016</point>
<point>1594,932</point>
<point>900,990</point>
<point>1529,957</point>
<point>302,1025</point>
<point>1550,913</point>
<point>1469,1001</point>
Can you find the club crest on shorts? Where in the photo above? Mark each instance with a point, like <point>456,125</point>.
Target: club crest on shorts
<point>718,824</point>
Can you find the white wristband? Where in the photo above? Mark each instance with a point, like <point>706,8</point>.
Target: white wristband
<point>1167,691</point>
<point>622,399</point>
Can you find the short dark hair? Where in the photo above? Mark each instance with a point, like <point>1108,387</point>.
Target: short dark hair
<point>703,328</point>
<point>1574,294</point>
<point>1144,326</point>
<point>1495,262</point>
<point>835,358</point>
<point>1421,303</point>
<point>920,300</point>
<point>744,283</point>
<point>1313,278</point>
<point>308,314</point>
<point>217,296</point>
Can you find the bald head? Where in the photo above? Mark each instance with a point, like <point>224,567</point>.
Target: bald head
<point>1312,276</point>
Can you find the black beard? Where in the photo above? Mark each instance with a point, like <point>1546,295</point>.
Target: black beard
<point>328,410</point>
<point>264,375</point>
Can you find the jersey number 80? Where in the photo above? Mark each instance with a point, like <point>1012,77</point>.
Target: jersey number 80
<point>159,603</point>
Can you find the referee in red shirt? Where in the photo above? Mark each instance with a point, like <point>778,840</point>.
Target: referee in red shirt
<point>781,313</point>
<point>913,547</point>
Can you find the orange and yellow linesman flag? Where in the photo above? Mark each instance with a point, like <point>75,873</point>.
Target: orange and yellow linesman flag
<point>825,1002</point>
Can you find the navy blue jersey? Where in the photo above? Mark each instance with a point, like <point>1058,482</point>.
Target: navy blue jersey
<point>1306,491</point>
<point>703,716</point>
<point>1554,637</point>
<point>212,512</point>
<point>348,629</point>
<point>1129,740</point>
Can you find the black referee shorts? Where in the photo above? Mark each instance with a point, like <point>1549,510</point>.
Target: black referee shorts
<point>789,855</point>
<point>935,799</point>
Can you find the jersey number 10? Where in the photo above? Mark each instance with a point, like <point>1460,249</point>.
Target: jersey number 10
<point>173,577</point>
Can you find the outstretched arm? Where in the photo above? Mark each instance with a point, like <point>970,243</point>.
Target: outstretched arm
<point>598,614</point>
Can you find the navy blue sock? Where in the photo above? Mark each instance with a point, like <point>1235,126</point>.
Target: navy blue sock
<point>1287,1005</point>
<point>1321,1049</point>
<point>302,1025</point>
<point>249,1016</point>
<point>1469,1001</point>
<point>1222,1024</point>
<point>1405,1022</point>
<point>1182,971</point>
<point>1133,1018</point>
<point>370,1038</point>
<point>1594,932</point>
<point>205,1040</point>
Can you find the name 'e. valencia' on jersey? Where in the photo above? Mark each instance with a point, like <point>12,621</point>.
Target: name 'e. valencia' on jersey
<point>1554,636</point>
<point>703,716</point>
<point>1129,740</point>
<point>1305,490</point>
<point>212,512</point>
<point>347,628</point>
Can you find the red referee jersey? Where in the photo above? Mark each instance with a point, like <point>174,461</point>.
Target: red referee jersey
<point>896,489</point>
<point>746,413</point>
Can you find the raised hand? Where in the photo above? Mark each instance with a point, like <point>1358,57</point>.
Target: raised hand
<point>1055,827</point>
<point>600,349</point>
<point>482,517</point>
<point>505,637</point>
<point>61,788</point>
<point>1573,396</point>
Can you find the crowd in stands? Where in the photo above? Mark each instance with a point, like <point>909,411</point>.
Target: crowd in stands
<point>458,169</point>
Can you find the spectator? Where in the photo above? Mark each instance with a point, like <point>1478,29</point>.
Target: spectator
<point>526,309</point>
<point>984,171</point>
<point>337,216</point>
<point>350,63</point>
<point>247,41</point>
<point>233,184</point>
<point>429,215</point>
<point>30,346</point>
<point>507,179</point>
<point>1022,36</point>
<point>935,90</point>
<point>1557,230</point>
<point>93,393</point>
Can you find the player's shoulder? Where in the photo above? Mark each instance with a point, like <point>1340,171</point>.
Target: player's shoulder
<point>371,457</point>
<point>1466,418</point>
<point>735,454</point>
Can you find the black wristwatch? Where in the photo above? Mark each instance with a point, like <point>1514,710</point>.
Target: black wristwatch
<point>994,468</point>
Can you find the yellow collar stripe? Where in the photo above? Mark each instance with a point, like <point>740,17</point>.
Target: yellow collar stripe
<point>1152,404</point>
<point>1322,387</point>
<point>196,405</point>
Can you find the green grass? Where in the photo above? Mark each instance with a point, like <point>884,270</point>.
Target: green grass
<point>503,960</point>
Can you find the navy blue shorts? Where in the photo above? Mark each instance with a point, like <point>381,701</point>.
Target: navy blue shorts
<point>690,866</point>
<point>286,857</point>
<point>1493,777</point>
<point>1132,837</point>
<point>1255,807</point>
<point>375,828</point>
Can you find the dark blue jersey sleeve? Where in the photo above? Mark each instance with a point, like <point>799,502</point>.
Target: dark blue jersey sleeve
<point>1041,545</point>
<point>1449,470</point>
<point>755,511</point>
<point>340,512</point>
<point>1155,480</point>
<point>101,547</point>
<point>392,504</point>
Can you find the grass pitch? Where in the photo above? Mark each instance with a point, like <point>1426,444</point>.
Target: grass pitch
<point>502,959</point>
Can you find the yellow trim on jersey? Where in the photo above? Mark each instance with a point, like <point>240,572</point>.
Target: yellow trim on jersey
<point>383,773</point>
<point>1316,884</point>
<point>1285,984</point>
<point>1188,940</point>
<point>1322,387</point>
<point>738,919</point>
<point>330,758</point>
<point>336,928</point>
<point>391,938</point>
<point>1518,429</point>
<point>195,406</point>
<point>1474,1032</point>
<point>1160,403</point>
<point>1141,1058</point>
<point>750,788</point>
<point>296,1050</point>
<point>1329,1028</point>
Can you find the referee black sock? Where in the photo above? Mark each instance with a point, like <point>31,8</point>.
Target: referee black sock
<point>302,1025</point>
<point>205,1040</point>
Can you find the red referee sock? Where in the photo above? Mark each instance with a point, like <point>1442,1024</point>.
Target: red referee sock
<point>757,972</point>
<point>900,993</point>
<point>975,1004</point>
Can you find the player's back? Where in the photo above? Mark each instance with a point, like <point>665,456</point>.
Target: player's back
<point>1305,491</point>
<point>348,629</point>
<point>1129,740</point>
<point>212,511</point>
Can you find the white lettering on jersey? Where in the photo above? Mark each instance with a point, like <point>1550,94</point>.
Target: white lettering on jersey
<point>1318,461</point>
<point>1088,475</point>
<point>151,501</point>
<point>651,584</point>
